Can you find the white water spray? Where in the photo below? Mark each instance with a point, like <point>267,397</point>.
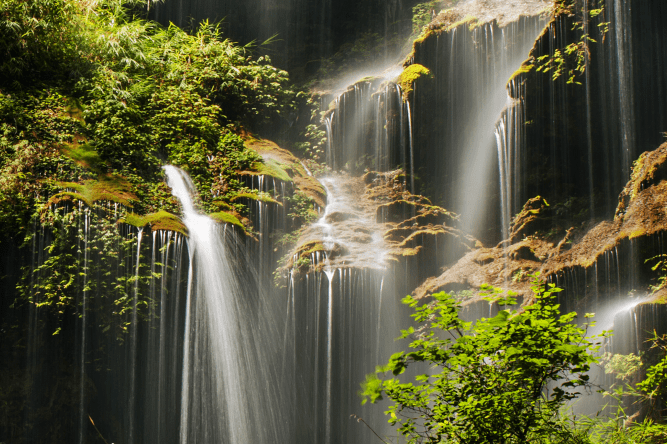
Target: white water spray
<point>225,395</point>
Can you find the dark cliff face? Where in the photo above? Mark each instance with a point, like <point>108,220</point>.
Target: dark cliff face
<point>454,116</point>
<point>572,140</point>
<point>581,139</point>
<point>306,30</point>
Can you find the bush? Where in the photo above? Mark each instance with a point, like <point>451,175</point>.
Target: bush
<point>35,39</point>
<point>501,379</point>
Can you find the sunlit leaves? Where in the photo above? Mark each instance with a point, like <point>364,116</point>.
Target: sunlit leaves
<point>489,381</point>
<point>86,260</point>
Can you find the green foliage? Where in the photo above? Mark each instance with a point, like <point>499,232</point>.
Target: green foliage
<point>37,40</point>
<point>141,96</point>
<point>653,387</point>
<point>86,261</point>
<point>501,379</point>
<point>572,60</point>
<point>661,266</point>
<point>623,366</point>
<point>313,147</point>
<point>31,125</point>
<point>301,208</point>
<point>613,429</point>
<point>422,14</point>
<point>646,396</point>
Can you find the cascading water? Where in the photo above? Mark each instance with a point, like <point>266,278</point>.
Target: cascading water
<point>368,127</point>
<point>230,392</point>
<point>461,108</point>
<point>206,350</point>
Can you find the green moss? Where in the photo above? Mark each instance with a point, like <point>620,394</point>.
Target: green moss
<point>67,197</point>
<point>469,20</point>
<point>255,196</point>
<point>161,220</point>
<point>74,109</point>
<point>412,251</point>
<point>410,75</point>
<point>426,33</point>
<point>659,299</point>
<point>636,176</point>
<point>270,167</point>
<point>222,205</point>
<point>367,79</point>
<point>637,233</point>
<point>224,217</point>
<point>112,188</point>
<point>420,234</point>
<point>311,247</point>
<point>524,68</point>
<point>83,154</point>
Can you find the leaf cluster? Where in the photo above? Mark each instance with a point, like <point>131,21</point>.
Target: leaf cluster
<point>498,380</point>
<point>572,60</point>
<point>141,96</point>
<point>37,40</point>
<point>84,265</point>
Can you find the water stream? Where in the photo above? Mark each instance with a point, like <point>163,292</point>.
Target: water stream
<point>229,391</point>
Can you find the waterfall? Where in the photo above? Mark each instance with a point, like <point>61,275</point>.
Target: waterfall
<point>471,69</point>
<point>167,336</point>
<point>230,392</point>
<point>510,164</point>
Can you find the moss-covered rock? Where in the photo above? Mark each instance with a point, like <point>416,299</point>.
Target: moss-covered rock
<point>113,188</point>
<point>589,248</point>
<point>263,197</point>
<point>282,165</point>
<point>228,218</point>
<point>535,216</point>
<point>649,169</point>
<point>161,220</point>
<point>409,75</point>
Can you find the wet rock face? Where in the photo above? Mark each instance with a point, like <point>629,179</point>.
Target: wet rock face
<point>649,170</point>
<point>592,261</point>
<point>455,112</point>
<point>484,11</point>
<point>534,217</point>
<point>380,224</point>
<point>582,133</point>
<point>308,30</point>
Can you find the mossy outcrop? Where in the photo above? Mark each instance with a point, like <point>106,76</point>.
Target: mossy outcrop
<point>385,225</point>
<point>161,220</point>
<point>282,165</point>
<point>409,75</point>
<point>112,188</point>
<point>648,170</point>
<point>641,221</point>
<point>228,218</point>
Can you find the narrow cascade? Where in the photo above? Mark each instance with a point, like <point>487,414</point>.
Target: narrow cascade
<point>342,316</point>
<point>268,217</point>
<point>124,353</point>
<point>230,392</point>
<point>342,327</point>
<point>330,276</point>
<point>508,133</point>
